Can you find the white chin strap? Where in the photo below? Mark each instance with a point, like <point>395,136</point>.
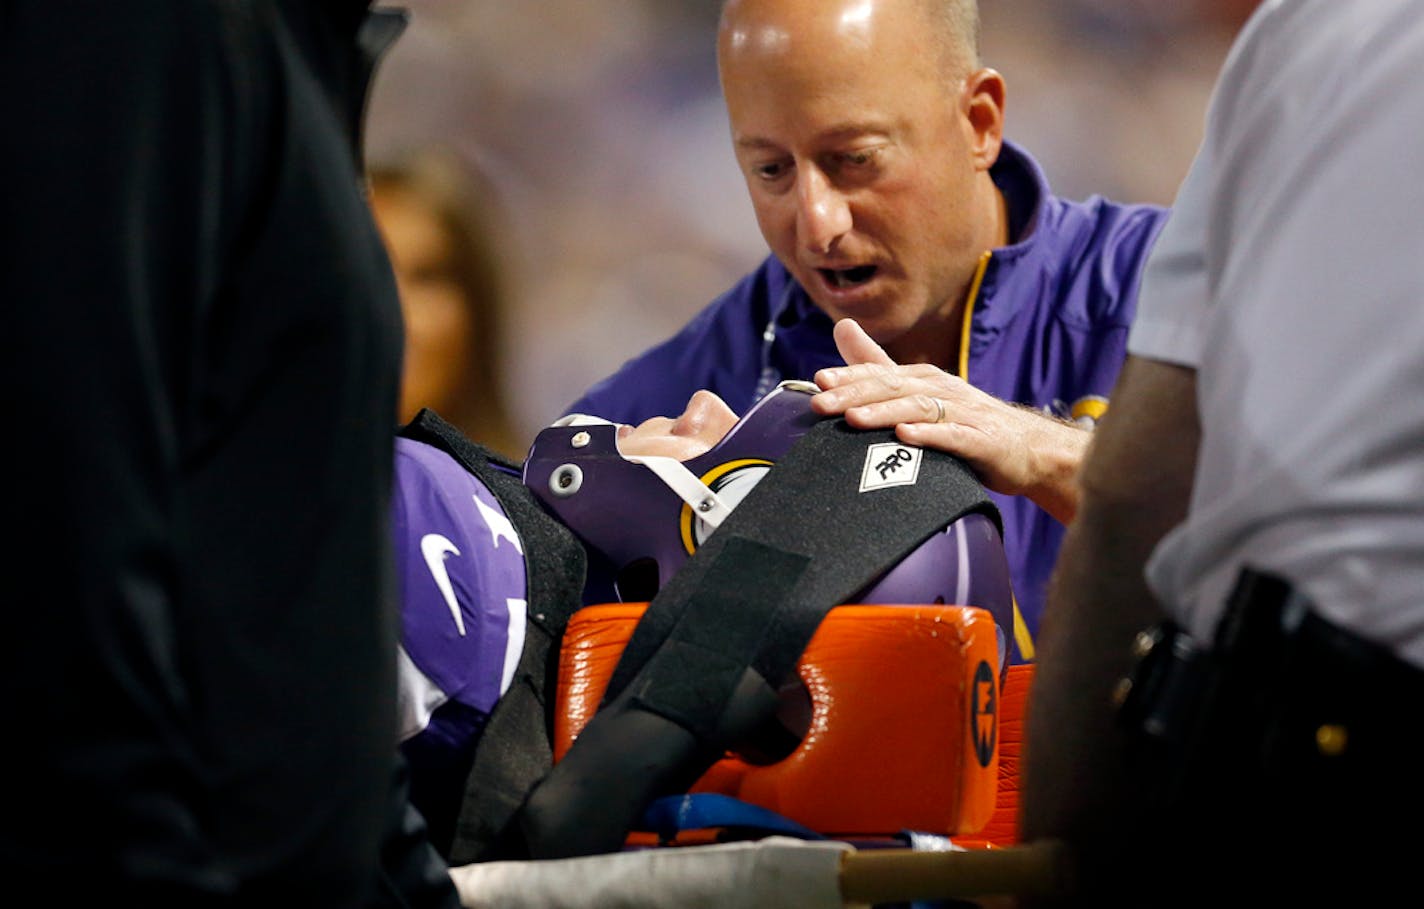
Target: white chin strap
<point>704,503</point>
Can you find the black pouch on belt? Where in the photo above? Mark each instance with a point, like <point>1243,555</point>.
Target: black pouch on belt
<point>1289,734</point>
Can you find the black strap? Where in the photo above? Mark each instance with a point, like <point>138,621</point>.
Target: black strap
<point>825,522</point>
<point>515,749</point>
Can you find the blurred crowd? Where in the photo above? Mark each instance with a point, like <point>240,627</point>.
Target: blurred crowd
<point>597,135</point>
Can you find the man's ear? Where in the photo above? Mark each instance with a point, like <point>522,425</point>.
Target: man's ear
<point>984,114</point>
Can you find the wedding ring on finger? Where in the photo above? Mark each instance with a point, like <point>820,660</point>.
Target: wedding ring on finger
<point>939,410</point>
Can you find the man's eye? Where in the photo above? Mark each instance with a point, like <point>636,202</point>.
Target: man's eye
<point>859,158</point>
<point>769,172</point>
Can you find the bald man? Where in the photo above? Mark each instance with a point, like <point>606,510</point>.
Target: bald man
<point>871,138</point>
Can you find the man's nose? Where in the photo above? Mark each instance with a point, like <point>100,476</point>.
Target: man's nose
<point>822,214</point>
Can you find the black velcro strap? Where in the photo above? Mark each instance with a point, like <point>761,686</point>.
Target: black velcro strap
<point>515,750</point>
<point>830,517</point>
<point>724,619</point>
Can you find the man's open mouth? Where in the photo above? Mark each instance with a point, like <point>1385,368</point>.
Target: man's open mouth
<point>841,278</point>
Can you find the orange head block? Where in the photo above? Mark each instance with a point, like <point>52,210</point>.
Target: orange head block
<point>897,714</point>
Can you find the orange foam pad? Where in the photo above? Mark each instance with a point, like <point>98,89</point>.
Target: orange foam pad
<point>1003,826</point>
<point>903,730</point>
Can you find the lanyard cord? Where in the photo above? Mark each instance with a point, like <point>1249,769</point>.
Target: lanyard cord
<point>771,376</point>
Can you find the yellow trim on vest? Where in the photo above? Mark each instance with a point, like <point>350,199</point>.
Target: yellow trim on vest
<point>1021,635</point>
<point>969,312</point>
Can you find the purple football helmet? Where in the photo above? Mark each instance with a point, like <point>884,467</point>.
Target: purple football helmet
<point>647,515</point>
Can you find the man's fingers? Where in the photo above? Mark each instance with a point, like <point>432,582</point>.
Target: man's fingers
<point>856,346</point>
<point>912,408</point>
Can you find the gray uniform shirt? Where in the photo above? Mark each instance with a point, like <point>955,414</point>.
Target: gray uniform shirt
<point>1290,275</point>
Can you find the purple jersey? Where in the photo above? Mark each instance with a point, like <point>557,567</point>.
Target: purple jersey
<point>1048,329</point>
<point>460,565</point>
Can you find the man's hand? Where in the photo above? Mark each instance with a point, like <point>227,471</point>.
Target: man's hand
<point>1014,450</point>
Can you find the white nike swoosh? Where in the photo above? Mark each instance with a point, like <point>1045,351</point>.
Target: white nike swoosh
<point>435,547</point>
<point>499,526</point>
<point>514,641</point>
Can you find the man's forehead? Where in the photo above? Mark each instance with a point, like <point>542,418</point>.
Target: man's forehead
<point>844,48</point>
<point>772,26</point>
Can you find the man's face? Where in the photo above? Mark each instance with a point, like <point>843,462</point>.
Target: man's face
<point>853,135</point>
<point>701,425</point>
